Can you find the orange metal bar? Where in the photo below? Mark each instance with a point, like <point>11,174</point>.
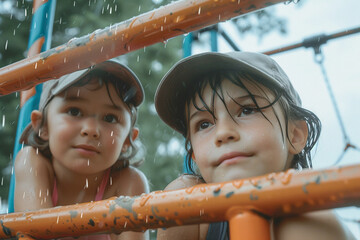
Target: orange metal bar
<point>155,26</point>
<point>247,224</point>
<point>272,195</point>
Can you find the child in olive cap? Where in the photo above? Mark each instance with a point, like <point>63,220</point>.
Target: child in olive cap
<point>241,118</point>
<point>81,142</point>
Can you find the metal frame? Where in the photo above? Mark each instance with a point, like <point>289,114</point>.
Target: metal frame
<point>247,204</point>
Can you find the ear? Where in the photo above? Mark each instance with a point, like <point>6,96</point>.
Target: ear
<point>36,119</point>
<point>134,135</point>
<point>298,133</point>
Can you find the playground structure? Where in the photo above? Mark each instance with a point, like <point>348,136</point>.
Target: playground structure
<point>246,204</point>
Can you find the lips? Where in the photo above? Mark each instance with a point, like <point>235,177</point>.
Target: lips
<point>232,158</point>
<point>87,148</point>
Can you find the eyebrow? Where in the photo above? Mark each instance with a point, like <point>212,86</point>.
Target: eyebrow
<point>71,98</point>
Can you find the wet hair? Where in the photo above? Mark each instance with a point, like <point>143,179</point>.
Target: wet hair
<point>123,90</point>
<point>292,111</point>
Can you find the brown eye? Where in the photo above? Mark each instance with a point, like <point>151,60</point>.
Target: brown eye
<point>73,111</point>
<point>110,118</point>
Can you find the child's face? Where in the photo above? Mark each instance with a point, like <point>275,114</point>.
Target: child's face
<point>86,132</point>
<point>240,143</point>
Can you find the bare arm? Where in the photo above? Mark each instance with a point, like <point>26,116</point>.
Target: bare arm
<point>312,226</point>
<point>137,184</point>
<point>190,232</point>
<point>32,187</point>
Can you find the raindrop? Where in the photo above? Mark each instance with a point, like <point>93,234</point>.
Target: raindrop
<point>219,17</point>
<point>37,151</point>
<point>24,195</point>
<point>25,12</point>
<point>125,224</point>
<point>65,60</point>
<point>139,8</point>
<point>162,28</point>
<point>3,121</point>
<point>138,58</point>
<point>35,25</point>
<point>14,32</point>
<point>164,19</point>
<point>57,220</point>
<point>2,181</point>
<point>111,10</point>
<point>110,181</point>
<point>102,11</point>
<point>47,192</point>
<point>113,141</point>
<point>165,43</point>
<point>86,183</point>
<point>78,93</point>
<point>35,65</point>
<point>40,193</point>
<point>88,162</point>
<point>60,20</point>
<point>199,11</point>
<point>112,133</point>
<point>6,44</point>
<point>149,71</point>
<point>238,1</point>
<point>102,48</point>
<point>74,3</point>
<point>144,49</point>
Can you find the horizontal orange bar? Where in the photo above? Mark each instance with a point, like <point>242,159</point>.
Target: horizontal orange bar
<point>276,194</point>
<point>174,19</point>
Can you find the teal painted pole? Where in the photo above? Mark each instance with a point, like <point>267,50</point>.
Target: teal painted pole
<point>39,41</point>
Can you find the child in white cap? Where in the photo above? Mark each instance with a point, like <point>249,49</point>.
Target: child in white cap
<point>241,118</point>
<point>81,142</point>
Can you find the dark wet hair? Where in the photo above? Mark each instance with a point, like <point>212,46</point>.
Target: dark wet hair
<point>291,109</point>
<point>124,91</point>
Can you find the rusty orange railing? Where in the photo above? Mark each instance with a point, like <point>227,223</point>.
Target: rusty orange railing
<point>155,26</point>
<point>243,203</point>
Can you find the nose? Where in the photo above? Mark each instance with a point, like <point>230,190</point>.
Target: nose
<point>90,128</point>
<point>226,131</point>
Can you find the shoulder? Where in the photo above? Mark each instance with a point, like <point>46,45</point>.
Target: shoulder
<point>184,181</point>
<point>29,159</point>
<point>315,225</point>
<point>130,181</point>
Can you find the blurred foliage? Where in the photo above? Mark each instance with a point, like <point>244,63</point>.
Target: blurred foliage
<point>164,151</point>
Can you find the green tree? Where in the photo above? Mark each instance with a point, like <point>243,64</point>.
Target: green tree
<point>163,162</point>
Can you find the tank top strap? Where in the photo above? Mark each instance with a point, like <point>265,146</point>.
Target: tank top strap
<point>54,196</point>
<point>100,193</point>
